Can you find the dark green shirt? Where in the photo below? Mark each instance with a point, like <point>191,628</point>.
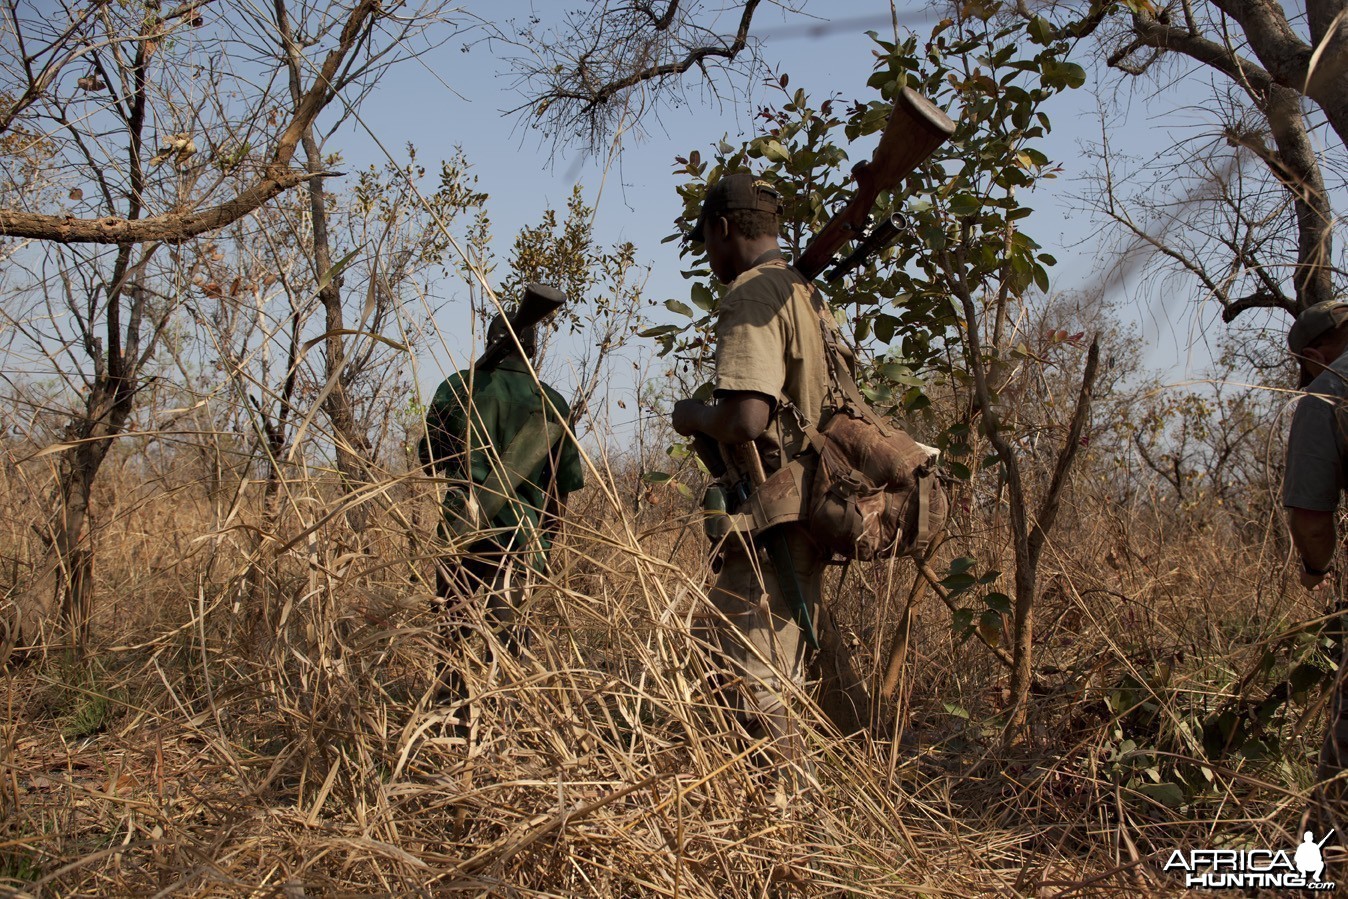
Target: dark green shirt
<point>503,401</point>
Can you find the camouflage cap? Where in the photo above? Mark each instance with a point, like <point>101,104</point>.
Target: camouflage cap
<point>1311,325</point>
<point>738,191</point>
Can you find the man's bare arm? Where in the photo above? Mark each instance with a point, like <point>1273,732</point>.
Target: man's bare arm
<point>1315,537</point>
<point>739,417</point>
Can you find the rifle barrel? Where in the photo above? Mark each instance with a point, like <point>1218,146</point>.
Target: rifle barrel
<point>879,238</point>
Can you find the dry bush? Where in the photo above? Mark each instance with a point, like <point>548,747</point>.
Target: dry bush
<point>254,717</point>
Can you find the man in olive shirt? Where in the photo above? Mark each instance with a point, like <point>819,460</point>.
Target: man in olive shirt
<point>769,353</point>
<point>1312,485</point>
<point>479,423</point>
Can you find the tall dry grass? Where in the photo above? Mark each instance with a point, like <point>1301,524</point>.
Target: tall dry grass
<point>254,717</point>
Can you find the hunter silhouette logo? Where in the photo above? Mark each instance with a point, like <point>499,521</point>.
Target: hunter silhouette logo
<point>1308,859</point>
<point>1236,869</point>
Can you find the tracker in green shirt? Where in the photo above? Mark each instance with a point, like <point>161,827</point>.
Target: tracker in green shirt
<point>504,400</point>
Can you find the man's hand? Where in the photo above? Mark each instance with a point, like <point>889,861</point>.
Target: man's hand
<point>687,416</point>
<point>1314,536</point>
<point>1312,581</point>
<point>1312,578</point>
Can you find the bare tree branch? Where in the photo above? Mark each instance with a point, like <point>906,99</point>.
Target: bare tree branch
<point>38,83</point>
<point>1151,32</point>
<point>276,178</point>
<point>578,78</point>
<point>1284,58</point>
<point>1261,299</point>
<point>602,94</point>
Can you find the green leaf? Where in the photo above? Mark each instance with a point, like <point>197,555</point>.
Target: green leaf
<point>990,627</point>
<point>964,204</point>
<point>955,710</point>
<point>1041,278</point>
<point>1063,74</point>
<point>1041,32</point>
<point>998,602</point>
<point>333,273</point>
<point>914,399</point>
<point>1305,676</point>
<point>773,151</point>
<point>956,584</point>
<point>702,297</point>
<point>962,564</point>
<point>655,477</point>
<point>1168,794</point>
<point>884,328</point>
<point>894,371</point>
<point>877,395</point>
<point>660,331</point>
<point>962,622</point>
<point>680,308</point>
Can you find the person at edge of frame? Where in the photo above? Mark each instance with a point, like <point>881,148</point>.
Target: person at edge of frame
<point>465,436</point>
<point>1313,483</point>
<point>768,345</point>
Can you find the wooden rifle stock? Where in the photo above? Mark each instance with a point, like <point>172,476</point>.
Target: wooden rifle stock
<point>916,128</point>
<point>538,303</point>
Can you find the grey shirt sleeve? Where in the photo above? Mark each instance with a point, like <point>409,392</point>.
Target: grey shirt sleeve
<point>1314,471</point>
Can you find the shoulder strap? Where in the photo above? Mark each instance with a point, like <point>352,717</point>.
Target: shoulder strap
<point>841,382</point>
<point>524,453</point>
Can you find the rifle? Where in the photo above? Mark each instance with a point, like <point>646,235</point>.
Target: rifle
<point>539,302</point>
<point>916,128</point>
<point>772,542</point>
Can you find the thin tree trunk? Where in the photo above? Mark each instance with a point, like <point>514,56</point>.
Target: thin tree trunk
<point>117,360</point>
<point>350,443</point>
<point>1029,551</point>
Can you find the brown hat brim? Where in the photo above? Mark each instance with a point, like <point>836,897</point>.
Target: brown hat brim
<point>698,234</point>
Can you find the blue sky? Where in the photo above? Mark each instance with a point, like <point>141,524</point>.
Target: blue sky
<point>453,98</point>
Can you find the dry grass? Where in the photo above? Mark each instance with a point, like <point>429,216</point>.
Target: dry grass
<point>254,717</point>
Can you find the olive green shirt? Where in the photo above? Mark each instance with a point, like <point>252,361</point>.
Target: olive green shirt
<point>463,435</point>
<point>768,341</point>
